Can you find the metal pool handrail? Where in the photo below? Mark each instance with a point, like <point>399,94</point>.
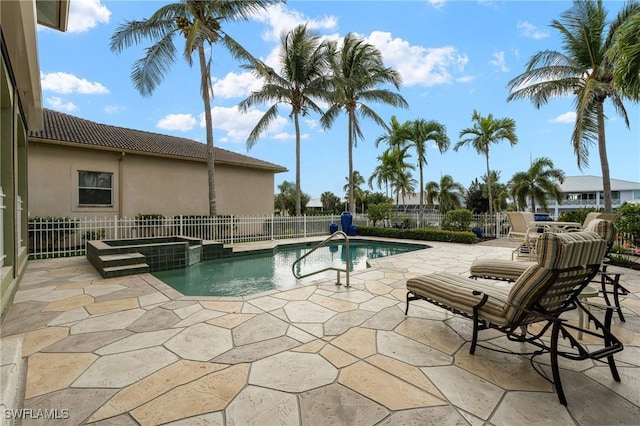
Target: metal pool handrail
<point>330,268</point>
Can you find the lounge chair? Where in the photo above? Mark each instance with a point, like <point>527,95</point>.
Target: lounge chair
<point>506,270</point>
<point>566,263</point>
<point>523,229</point>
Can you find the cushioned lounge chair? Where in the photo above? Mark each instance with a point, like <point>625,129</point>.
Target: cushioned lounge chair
<point>508,270</point>
<point>565,265</point>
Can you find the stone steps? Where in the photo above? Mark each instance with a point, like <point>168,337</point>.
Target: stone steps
<point>120,271</point>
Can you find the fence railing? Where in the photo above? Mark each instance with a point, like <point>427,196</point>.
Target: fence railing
<point>19,223</point>
<point>62,237</point>
<point>2,207</point>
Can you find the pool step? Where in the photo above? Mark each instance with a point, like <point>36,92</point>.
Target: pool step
<point>121,271</point>
<point>118,265</point>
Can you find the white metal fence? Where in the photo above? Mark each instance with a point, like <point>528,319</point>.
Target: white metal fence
<point>2,207</point>
<point>61,237</point>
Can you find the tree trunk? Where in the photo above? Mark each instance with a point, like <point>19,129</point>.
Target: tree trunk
<point>489,186</point>
<point>604,161</point>
<point>298,191</point>
<point>351,201</point>
<point>421,211</point>
<point>211,156</point>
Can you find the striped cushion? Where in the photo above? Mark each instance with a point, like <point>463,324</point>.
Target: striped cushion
<point>565,250</point>
<point>604,228</point>
<point>456,292</point>
<point>500,269</point>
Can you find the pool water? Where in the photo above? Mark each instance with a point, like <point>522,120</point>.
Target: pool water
<point>242,275</point>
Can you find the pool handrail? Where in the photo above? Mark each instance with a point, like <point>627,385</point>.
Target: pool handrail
<point>330,268</point>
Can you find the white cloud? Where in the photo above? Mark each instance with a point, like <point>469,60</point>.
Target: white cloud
<point>284,136</point>
<point>529,30</point>
<point>235,85</point>
<point>182,122</point>
<point>567,117</point>
<point>419,65</point>
<point>499,62</point>
<point>238,125</point>
<point>62,82</point>
<point>86,14</point>
<point>281,19</point>
<point>437,3</point>
<point>60,105</point>
<point>313,124</point>
<point>114,109</point>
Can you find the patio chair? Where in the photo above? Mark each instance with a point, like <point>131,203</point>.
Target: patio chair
<point>566,263</point>
<point>523,230</point>
<point>509,270</point>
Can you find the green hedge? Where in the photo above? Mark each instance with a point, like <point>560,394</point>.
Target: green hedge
<point>419,234</point>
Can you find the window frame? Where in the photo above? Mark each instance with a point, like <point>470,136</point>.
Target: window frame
<point>111,189</point>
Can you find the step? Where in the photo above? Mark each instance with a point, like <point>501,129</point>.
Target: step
<point>123,259</point>
<point>12,377</point>
<point>121,271</point>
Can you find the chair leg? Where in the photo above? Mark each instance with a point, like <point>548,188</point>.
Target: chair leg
<point>409,299</point>
<point>608,318</point>
<point>555,332</point>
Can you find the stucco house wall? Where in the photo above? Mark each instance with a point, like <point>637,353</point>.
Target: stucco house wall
<point>143,181</point>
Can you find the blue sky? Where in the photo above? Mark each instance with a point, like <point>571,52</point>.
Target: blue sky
<point>454,57</point>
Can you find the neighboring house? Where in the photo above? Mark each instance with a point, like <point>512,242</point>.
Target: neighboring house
<point>586,192</point>
<point>20,112</point>
<point>80,168</point>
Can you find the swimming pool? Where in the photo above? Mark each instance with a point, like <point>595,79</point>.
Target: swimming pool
<point>242,275</point>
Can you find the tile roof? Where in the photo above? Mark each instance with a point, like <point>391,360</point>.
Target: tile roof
<point>65,128</point>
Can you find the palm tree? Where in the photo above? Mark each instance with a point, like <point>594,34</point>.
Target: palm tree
<point>485,131</point>
<point>418,133</point>
<point>625,55</point>
<point>537,184</point>
<point>445,192</point>
<point>384,171</point>
<point>200,23</point>
<point>358,193</point>
<point>393,170</point>
<point>583,70</point>
<point>303,58</point>
<point>358,71</point>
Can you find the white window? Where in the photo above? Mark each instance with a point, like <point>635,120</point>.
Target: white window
<point>95,189</point>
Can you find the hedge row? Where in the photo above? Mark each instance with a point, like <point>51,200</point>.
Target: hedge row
<point>419,234</point>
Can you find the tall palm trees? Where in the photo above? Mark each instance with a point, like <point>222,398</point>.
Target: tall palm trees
<point>485,131</point>
<point>536,183</point>
<point>200,24</point>
<point>358,193</point>
<point>584,69</point>
<point>358,71</point>
<point>394,171</point>
<point>303,61</point>
<point>445,193</point>
<point>418,133</point>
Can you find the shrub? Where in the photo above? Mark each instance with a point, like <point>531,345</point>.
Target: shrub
<point>629,221</point>
<point>377,212</point>
<point>419,234</point>
<point>575,216</point>
<point>457,220</point>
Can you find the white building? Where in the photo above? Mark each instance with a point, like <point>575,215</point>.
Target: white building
<point>586,192</point>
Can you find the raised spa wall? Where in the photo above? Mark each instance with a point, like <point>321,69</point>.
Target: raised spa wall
<point>115,258</point>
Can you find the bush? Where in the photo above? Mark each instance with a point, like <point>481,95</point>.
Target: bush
<point>457,220</point>
<point>575,216</point>
<point>377,212</point>
<point>419,234</point>
<point>629,221</point>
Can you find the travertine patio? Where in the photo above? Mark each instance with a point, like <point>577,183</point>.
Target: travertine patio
<point>131,350</point>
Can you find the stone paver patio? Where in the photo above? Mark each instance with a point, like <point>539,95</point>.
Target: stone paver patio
<point>134,351</point>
